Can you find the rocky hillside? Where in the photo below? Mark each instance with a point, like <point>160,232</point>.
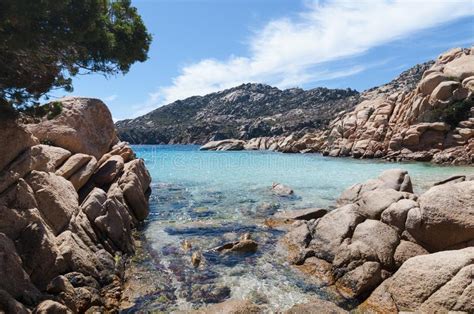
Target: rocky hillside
<point>244,112</point>
<point>70,195</point>
<point>425,114</point>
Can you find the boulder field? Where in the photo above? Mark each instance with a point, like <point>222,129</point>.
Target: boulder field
<point>70,196</point>
<point>392,250</point>
<point>430,118</point>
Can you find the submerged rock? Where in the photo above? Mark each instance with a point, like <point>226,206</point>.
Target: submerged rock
<point>196,258</point>
<point>244,245</point>
<point>281,189</point>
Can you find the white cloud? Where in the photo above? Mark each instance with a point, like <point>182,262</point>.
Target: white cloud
<point>289,52</point>
<point>110,98</point>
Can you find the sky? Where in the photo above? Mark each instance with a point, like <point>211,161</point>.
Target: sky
<point>203,46</point>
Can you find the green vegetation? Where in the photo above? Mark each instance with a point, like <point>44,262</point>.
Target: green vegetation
<point>45,43</point>
<point>47,142</point>
<point>454,113</point>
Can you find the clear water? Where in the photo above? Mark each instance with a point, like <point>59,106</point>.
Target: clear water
<point>210,198</point>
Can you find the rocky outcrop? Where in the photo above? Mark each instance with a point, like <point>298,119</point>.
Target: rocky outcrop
<point>401,251</point>
<point>439,282</point>
<point>425,114</point>
<point>68,207</point>
<point>230,144</point>
<point>243,112</point>
<point>84,126</point>
<point>433,120</point>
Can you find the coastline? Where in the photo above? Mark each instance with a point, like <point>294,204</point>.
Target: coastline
<point>189,231</point>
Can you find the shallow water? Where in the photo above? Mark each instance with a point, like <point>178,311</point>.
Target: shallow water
<point>210,198</point>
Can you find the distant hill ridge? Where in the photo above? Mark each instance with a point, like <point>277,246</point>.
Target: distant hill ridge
<point>245,111</point>
<point>251,110</point>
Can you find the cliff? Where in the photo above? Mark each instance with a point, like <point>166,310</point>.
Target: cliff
<point>70,196</point>
<point>244,112</point>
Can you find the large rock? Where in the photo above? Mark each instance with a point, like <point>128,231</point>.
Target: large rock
<point>80,177</point>
<point>406,250</point>
<point>373,203</point>
<point>14,280</point>
<point>15,206</point>
<point>429,83</point>
<point>230,144</point>
<point>316,306</point>
<point>82,227</point>
<point>361,280</point>
<point>445,218</point>
<point>77,255</point>
<point>55,156</point>
<point>438,282</point>
<point>85,126</point>
<point>116,224</point>
<point>109,170</point>
<point>9,305</point>
<point>372,241</point>
<point>56,197</point>
<point>135,184</point>
<point>396,214</point>
<point>50,306</point>
<point>38,157</point>
<point>73,164</point>
<point>94,204</point>
<point>444,91</point>
<point>460,68</point>
<point>332,229</point>
<point>40,253</point>
<point>14,140</point>
<point>34,239</point>
<point>393,179</point>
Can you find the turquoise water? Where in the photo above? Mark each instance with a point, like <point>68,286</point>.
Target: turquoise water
<point>209,198</point>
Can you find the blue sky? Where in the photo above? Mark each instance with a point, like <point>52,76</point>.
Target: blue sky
<point>201,46</point>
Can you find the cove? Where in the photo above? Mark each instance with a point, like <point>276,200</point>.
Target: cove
<point>203,199</point>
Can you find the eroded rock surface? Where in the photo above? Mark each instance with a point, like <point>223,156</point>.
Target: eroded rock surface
<point>67,211</point>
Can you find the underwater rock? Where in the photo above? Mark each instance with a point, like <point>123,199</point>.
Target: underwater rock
<point>281,189</point>
<point>196,258</point>
<point>245,245</point>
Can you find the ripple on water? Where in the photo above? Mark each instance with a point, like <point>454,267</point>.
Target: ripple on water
<point>210,198</point>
